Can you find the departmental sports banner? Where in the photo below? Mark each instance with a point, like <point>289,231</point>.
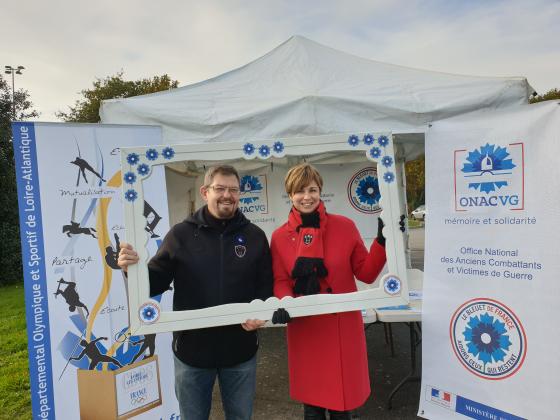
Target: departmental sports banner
<point>491,288</point>
<point>70,200</point>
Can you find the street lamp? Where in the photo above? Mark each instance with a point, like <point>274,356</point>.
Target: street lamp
<point>13,71</point>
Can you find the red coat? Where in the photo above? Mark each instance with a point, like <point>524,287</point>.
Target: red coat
<point>327,354</point>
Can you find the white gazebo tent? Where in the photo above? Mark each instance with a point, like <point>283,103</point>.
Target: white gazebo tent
<point>302,88</point>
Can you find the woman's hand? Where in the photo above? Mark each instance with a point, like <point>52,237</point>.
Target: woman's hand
<point>127,256</point>
<point>252,324</point>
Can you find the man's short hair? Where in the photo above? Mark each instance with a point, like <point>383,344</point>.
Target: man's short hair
<point>225,170</point>
<point>300,176</point>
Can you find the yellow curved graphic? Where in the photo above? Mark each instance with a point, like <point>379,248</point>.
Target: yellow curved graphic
<point>103,242</point>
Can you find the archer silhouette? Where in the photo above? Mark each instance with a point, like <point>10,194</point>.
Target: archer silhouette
<point>112,254</point>
<point>74,229</point>
<point>148,342</point>
<point>70,296</point>
<point>94,355</point>
<point>83,165</point>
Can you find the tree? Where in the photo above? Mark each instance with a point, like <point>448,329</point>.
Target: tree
<point>10,247</point>
<point>86,110</point>
<point>551,94</point>
<point>415,182</point>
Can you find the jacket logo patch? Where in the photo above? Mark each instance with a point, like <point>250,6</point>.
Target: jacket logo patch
<point>240,250</point>
<point>307,238</point>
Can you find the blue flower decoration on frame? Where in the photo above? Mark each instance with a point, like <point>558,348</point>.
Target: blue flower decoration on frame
<point>487,338</point>
<point>152,154</point>
<point>131,195</point>
<point>353,140</point>
<point>392,285</point>
<point>383,140</point>
<point>389,177</point>
<point>143,169</point>
<point>375,152</point>
<point>168,153</point>
<point>278,147</point>
<point>129,178</point>
<point>132,159</point>
<point>387,161</point>
<point>264,150</point>
<point>248,149</point>
<point>368,139</point>
<point>149,313</point>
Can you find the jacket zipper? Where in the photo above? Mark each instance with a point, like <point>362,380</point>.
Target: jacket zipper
<point>221,269</point>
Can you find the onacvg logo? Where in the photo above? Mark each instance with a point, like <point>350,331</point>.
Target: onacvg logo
<point>490,176</point>
<point>253,194</point>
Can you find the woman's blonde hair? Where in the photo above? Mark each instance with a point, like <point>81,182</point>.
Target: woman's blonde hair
<point>300,176</point>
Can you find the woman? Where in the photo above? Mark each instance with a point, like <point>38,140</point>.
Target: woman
<point>317,252</point>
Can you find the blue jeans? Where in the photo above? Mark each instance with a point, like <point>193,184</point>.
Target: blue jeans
<point>193,388</point>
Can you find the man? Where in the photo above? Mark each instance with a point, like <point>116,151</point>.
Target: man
<point>214,257</point>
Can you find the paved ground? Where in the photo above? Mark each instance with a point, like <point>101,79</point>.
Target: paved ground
<point>273,401</point>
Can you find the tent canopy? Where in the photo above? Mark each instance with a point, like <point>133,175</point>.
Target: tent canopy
<point>304,88</point>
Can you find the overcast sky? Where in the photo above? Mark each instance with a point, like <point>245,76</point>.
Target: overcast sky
<point>66,44</point>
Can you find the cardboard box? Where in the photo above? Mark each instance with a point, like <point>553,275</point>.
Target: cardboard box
<point>119,394</point>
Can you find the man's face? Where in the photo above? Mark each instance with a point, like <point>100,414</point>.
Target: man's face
<point>222,196</point>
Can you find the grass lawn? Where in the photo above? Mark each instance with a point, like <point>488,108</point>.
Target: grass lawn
<point>15,398</point>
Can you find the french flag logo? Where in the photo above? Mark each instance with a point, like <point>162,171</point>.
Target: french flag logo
<point>441,397</point>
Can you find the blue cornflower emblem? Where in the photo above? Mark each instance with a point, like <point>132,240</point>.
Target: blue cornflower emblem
<point>239,240</point>
<point>248,149</point>
<point>389,177</point>
<point>264,150</point>
<point>487,339</point>
<point>368,191</point>
<point>143,169</point>
<point>489,161</point>
<point>392,285</point>
<point>152,154</point>
<point>129,178</point>
<point>353,140</point>
<point>278,147</point>
<point>368,139</point>
<point>375,152</point>
<point>383,141</point>
<point>131,195</point>
<point>387,161</point>
<point>132,159</point>
<point>168,153</point>
<point>149,313</point>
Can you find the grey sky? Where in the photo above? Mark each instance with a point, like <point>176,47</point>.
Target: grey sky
<point>65,44</point>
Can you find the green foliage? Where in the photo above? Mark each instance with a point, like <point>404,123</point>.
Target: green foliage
<point>10,248</point>
<point>15,397</point>
<point>551,94</point>
<point>86,110</point>
<point>415,182</point>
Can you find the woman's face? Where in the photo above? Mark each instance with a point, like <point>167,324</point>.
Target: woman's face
<point>307,199</point>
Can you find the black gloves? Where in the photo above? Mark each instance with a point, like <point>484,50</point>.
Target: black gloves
<point>380,238</point>
<point>281,316</point>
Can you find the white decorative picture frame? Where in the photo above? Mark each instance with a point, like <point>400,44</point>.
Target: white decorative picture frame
<point>145,314</point>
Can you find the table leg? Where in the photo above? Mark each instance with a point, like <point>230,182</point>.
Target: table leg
<point>415,340</point>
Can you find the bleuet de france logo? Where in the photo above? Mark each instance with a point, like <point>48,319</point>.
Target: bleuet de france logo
<point>490,176</point>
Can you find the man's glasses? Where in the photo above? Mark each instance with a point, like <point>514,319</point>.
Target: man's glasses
<point>221,190</point>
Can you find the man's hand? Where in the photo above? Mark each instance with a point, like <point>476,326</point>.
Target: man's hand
<point>127,256</point>
<point>252,324</point>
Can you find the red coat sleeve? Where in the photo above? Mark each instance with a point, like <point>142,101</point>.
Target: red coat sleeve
<point>283,283</point>
<point>367,265</point>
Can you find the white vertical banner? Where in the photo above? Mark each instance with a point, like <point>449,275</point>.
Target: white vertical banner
<point>491,284</point>
<point>70,191</point>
